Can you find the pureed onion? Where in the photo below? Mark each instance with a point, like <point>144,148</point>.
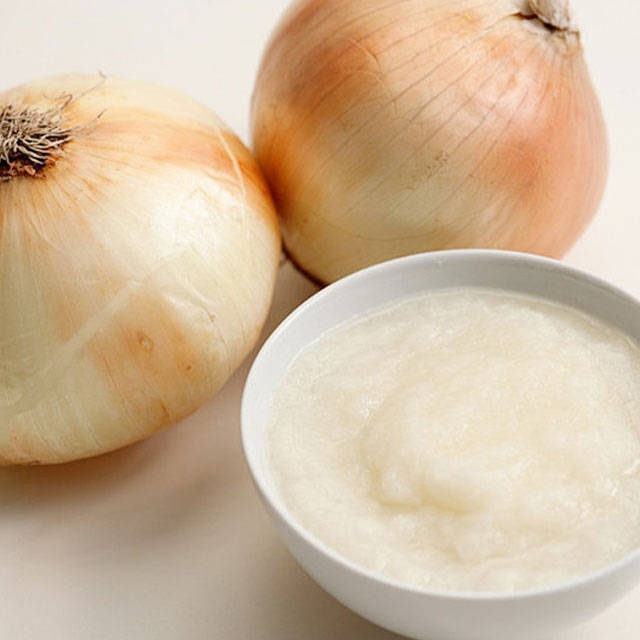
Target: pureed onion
<point>138,254</point>
<point>389,127</point>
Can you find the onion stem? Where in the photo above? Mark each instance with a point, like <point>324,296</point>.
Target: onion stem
<point>556,14</point>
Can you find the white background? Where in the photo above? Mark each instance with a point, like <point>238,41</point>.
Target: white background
<point>167,539</point>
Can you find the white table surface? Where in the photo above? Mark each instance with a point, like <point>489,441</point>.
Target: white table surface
<point>166,539</point>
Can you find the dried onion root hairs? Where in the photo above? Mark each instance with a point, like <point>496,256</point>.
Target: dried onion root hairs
<point>32,138</point>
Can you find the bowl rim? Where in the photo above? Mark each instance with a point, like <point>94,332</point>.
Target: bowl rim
<point>271,495</point>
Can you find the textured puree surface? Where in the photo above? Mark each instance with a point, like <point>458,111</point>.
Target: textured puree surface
<point>465,440</point>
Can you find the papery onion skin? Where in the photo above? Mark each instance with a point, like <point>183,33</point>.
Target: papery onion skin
<point>135,272</point>
<point>393,127</point>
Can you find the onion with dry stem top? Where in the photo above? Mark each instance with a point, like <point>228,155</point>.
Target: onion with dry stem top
<point>138,253</point>
<point>388,127</point>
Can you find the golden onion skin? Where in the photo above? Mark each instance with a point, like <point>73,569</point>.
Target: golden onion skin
<point>136,271</point>
<point>387,128</point>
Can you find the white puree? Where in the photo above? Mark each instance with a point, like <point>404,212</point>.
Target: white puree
<point>467,440</point>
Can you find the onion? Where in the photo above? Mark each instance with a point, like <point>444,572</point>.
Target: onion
<point>389,127</point>
<point>138,253</point>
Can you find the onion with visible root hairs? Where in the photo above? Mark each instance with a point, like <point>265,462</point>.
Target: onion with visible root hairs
<point>138,254</point>
<point>390,127</point>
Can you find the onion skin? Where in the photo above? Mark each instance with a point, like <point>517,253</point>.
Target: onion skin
<point>135,272</point>
<point>393,127</point>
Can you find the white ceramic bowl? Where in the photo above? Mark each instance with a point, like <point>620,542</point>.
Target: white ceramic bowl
<point>422,613</point>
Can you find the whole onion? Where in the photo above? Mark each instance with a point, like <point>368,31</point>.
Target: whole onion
<point>388,127</point>
<point>138,253</point>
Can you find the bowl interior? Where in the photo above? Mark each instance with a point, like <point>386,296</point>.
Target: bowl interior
<point>384,283</point>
